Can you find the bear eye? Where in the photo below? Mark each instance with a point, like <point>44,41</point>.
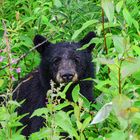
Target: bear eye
<point>56,60</point>
<point>77,60</point>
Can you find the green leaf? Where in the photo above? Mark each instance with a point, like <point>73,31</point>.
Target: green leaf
<point>108,7</point>
<point>4,115</point>
<point>120,105</point>
<point>75,93</point>
<point>119,43</point>
<point>76,111</point>
<point>95,41</point>
<point>40,112</point>
<point>82,137</point>
<point>84,26</point>
<point>130,68</point>
<point>63,93</point>
<point>136,25</point>
<point>62,105</point>
<point>63,121</point>
<point>119,6</point>
<point>136,49</point>
<point>79,125</point>
<point>103,113</point>
<point>136,118</point>
<point>1,82</point>
<point>118,134</point>
<point>86,123</point>
<point>45,20</point>
<point>106,61</point>
<point>137,104</point>
<point>14,103</point>
<point>17,137</point>
<point>127,16</point>
<point>86,103</point>
<point>57,3</point>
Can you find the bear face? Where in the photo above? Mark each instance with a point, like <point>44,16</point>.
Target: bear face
<point>63,61</point>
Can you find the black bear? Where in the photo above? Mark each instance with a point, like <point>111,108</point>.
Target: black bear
<point>62,63</point>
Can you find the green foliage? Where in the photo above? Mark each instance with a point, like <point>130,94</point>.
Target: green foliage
<point>116,113</point>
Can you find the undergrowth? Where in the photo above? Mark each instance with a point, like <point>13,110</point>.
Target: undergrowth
<point>116,113</point>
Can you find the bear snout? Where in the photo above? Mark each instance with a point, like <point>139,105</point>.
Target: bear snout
<point>65,77</point>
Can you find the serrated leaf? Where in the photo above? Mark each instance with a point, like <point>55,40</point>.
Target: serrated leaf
<point>84,26</point>
<point>108,7</point>
<point>103,113</point>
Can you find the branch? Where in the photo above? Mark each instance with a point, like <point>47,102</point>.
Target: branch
<point>24,81</point>
<point>23,56</point>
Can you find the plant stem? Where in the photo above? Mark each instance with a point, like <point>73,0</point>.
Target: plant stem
<point>119,78</point>
<point>8,50</point>
<point>105,46</point>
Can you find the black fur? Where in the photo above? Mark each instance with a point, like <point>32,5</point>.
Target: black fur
<point>37,83</point>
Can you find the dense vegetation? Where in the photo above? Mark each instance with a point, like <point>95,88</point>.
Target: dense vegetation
<point>116,113</point>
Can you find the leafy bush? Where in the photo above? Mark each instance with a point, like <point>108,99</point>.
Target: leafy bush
<point>116,113</point>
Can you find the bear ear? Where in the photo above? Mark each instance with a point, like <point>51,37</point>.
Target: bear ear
<point>87,39</point>
<point>38,39</point>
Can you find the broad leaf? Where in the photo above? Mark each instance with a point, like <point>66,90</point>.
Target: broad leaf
<point>119,6</point>
<point>103,113</point>
<point>108,7</point>
<point>40,112</point>
<point>121,104</point>
<point>63,121</point>
<point>130,68</point>
<point>118,43</point>
<point>84,26</point>
<point>118,135</point>
<point>127,16</point>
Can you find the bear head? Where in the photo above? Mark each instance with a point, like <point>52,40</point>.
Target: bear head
<point>64,62</point>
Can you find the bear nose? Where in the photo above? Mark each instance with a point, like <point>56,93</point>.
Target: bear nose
<point>67,77</point>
